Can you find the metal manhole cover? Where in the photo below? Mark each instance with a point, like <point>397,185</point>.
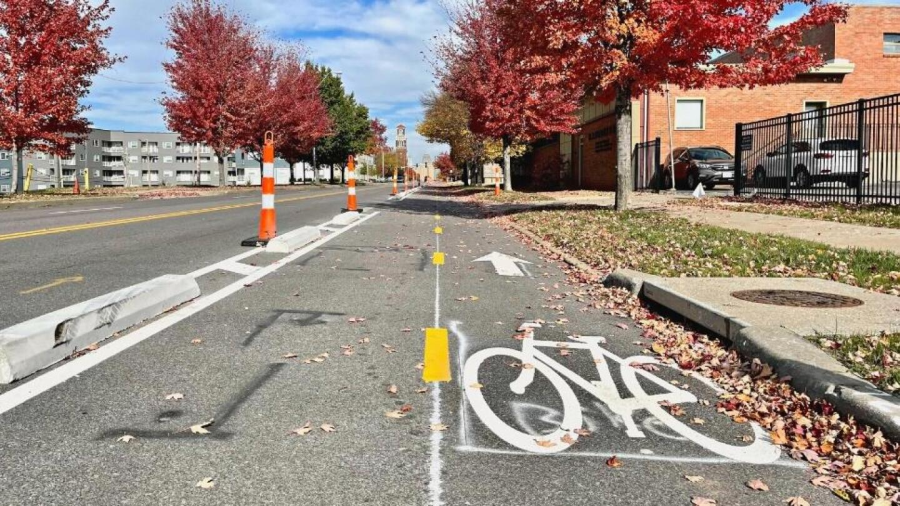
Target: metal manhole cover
<point>797,298</point>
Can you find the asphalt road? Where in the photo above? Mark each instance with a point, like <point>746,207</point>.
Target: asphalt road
<point>364,297</point>
<point>96,246</point>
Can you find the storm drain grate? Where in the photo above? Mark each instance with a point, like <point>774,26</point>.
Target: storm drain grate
<point>797,298</point>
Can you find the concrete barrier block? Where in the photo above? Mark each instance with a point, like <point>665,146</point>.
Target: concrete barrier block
<point>293,240</point>
<point>345,219</point>
<point>35,344</point>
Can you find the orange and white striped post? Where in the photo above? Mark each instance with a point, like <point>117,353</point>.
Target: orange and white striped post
<point>496,180</point>
<point>351,186</point>
<point>406,180</point>
<point>394,190</point>
<point>267,229</point>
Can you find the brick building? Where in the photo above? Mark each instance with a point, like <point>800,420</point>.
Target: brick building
<point>862,60</point>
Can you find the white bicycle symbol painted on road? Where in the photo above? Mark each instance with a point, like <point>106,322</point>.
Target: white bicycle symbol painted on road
<point>761,451</point>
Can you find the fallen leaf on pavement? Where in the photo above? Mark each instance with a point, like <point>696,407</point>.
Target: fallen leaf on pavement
<point>693,479</point>
<point>622,326</point>
<point>614,462</point>
<point>355,320</point>
<point>126,439</point>
<point>407,329</point>
<point>206,483</point>
<point>545,443</point>
<point>583,432</point>
<point>438,427</point>
<point>175,397</point>
<point>698,421</point>
<point>302,431</point>
<point>422,391</point>
<point>363,340</point>
<point>197,341</point>
<point>796,501</point>
<point>703,501</point>
<point>289,355</point>
<point>199,428</point>
<point>392,389</point>
<point>394,414</point>
<point>758,485</point>
<point>567,439</point>
<point>406,408</point>
<point>476,385</point>
<point>327,427</point>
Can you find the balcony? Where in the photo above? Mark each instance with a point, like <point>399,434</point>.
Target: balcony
<point>113,149</point>
<point>114,164</point>
<point>184,150</point>
<point>150,149</point>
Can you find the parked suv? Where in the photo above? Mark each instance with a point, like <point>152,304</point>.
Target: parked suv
<point>814,161</point>
<point>709,165</point>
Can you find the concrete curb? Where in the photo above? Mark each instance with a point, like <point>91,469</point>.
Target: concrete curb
<point>811,370</point>
<point>293,240</point>
<point>345,219</point>
<point>35,344</point>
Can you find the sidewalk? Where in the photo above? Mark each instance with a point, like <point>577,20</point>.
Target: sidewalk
<point>839,235</point>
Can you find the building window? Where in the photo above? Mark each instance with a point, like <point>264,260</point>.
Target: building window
<point>96,158</point>
<point>132,144</point>
<point>167,145</point>
<point>892,44</point>
<point>40,156</point>
<point>96,143</point>
<point>4,155</point>
<point>133,159</point>
<point>81,157</point>
<point>167,159</point>
<point>690,114</point>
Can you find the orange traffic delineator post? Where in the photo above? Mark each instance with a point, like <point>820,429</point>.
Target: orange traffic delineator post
<point>496,181</point>
<point>394,190</point>
<point>405,181</point>
<point>351,187</point>
<point>77,189</point>
<point>267,228</point>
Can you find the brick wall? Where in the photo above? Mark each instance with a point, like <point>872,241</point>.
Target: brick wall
<point>860,41</point>
<point>598,154</point>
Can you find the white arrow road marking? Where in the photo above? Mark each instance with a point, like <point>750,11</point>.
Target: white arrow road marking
<point>505,265</point>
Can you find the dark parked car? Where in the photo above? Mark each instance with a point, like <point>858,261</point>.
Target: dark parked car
<point>709,165</point>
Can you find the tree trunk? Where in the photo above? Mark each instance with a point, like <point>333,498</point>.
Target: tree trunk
<point>343,171</point>
<point>59,181</point>
<point>291,165</point>
<point>465,174</point>
<point>222,174</point>
<point>331,180</point>
<point>507,170</point>
<point>18,174</point>
<point>624,185</point>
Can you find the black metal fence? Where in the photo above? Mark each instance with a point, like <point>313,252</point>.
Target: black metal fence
<point>646,163</point>
<point>847,153</point>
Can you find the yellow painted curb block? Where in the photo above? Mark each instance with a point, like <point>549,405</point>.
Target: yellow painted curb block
<point>437,356</point>
<point>437,258</point>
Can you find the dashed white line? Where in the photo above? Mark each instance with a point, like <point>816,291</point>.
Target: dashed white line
<point>74,211</point>
<point>434,483</point>
<point>41,384</point>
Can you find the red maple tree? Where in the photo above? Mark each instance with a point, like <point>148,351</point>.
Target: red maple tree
<point>49,51</point>
<point>301,115</point>
<point>631,47</point>
<point>444,163</point>
<point>509,96</point>
<point>213,102</point>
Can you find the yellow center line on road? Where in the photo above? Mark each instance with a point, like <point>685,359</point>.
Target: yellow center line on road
<point>152,217</point>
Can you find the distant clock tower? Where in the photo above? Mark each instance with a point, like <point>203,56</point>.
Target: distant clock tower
<point>400,145</point>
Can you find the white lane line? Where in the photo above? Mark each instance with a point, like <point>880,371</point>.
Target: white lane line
<point>86,210</point>
<point>63,373</point>
<point>434,483</point>
<point>239,268</point>
<point>221,265</point>
<point>782,462</point>
<point>464,428</point>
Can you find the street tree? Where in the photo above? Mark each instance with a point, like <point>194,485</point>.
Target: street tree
<point>351,128</point>
<point>49,52</point>
<point>210,103</point>
<point>509,96</point>
<point>636,46</point>
<point>378,141</point>
<point>445,165</point>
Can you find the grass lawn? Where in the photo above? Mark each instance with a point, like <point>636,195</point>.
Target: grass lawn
<point>512,197</point>
<point>875,358</point>
<point>656,243</point>
<point>884,216</point>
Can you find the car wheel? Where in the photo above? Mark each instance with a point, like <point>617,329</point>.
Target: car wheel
<point>802,178</point>
<point>759,177</point>
<point>667,181</point>
<point>709,186</point>
<point>692,181</point>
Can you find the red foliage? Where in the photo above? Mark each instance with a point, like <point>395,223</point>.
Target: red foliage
<point>378,141</point>
<point>49,51</point>
<point>639,45</point>
<point>302,117</point>
<point>445,164</point>
<point>508,95</point>
<point>216,95</point>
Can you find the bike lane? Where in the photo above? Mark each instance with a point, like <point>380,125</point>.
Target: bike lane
<point>505,448</point>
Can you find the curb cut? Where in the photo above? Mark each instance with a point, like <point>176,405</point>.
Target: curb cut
<point>33,345</point>
<point>811,370</point>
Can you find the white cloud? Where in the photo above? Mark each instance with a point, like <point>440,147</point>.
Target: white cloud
<point>377,45</point>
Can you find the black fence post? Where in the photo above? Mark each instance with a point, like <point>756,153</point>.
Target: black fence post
<point>789,159</point>
<point>860,135</point>
<point>738,158</point>
<point>657,163</point>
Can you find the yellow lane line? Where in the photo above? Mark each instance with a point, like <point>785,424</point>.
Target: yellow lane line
<point>152,217</point>
<point>55,283</point>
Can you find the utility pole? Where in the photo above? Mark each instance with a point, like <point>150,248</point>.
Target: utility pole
<point>315,168</point>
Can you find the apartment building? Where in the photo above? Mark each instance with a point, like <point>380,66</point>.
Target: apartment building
<point>119,158</point>
<point>862,60</point>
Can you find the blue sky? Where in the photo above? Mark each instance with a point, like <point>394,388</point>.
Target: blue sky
<point>377,45</point>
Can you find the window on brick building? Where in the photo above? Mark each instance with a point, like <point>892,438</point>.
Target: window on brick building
<point>892,44</point>
<point>689,114</point>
